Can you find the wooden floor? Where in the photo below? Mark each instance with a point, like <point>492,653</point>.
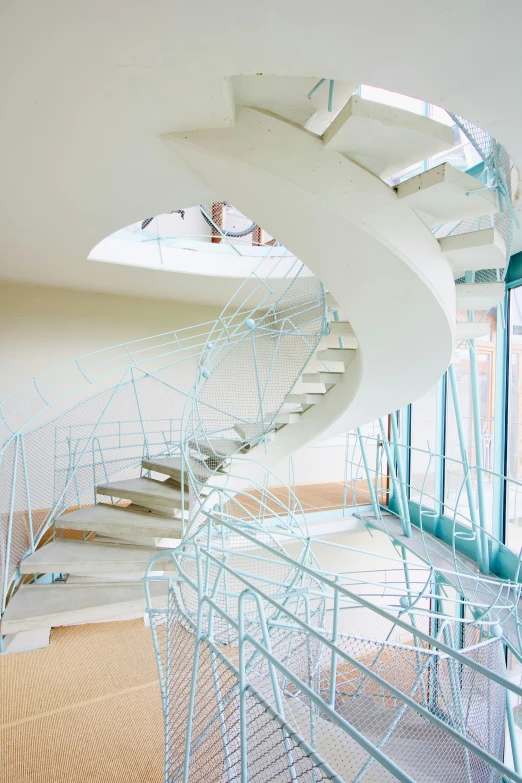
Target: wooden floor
<point>311,497</point>
<point>85,709</point>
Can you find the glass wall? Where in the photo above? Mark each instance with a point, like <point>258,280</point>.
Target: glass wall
<point>424,444</point>
<point>513,532</point>
<point>462,448</point>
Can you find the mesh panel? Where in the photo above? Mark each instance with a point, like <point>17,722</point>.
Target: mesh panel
<point>373,681</point>
<point>265,355</point>
<point>497,171</point>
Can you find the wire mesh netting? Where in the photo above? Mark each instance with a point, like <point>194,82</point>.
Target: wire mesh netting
<point>323,700</point>
<point>153,398</point>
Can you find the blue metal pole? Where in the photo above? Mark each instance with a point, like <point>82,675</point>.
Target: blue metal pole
<point>400,468</point>
<point>440,442</point>
<point>500,466</point>
<point>331,95</point>
<point>477,431</point>
<point>465,462</point>
<point>193,682</point>
<point>243,738</point>
<point>373,498</point>
<point>10,523</point>
<point>406,527</point>
<point>335,634</point>
<point>513,739</point>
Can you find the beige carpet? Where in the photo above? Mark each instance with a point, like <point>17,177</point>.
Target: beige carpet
<point>85,709</point>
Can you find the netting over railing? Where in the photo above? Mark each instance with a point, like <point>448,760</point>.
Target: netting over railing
<point>243,381</point>
<point>271,670</point>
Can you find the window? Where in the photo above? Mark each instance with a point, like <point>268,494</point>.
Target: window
<point>423,443</point>
<point>513,534</point>
<point>456,498</point>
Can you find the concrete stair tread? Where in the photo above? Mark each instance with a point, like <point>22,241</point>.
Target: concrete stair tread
<point>217,447</point>
<point>288,418</point>
<point>42,606</point>
<point>386,139</point>
<point>305,399</point>
<point>252,431</point>
<point>479,296</point>
<point>474,250</point>
<point>108,519</point>
<point>342,355</point>
<point>87,557</point>
<point>341,328</point>
<point>439,195</point>
<point>144,490</point>
<point>331,301</point>
<point>472,330</point>
<point>172,466</point>
<point>322,377</point>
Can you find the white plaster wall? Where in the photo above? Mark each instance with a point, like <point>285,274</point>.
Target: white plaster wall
<point>42,327</point>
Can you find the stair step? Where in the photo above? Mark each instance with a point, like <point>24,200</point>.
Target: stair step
<point>479,296</point>
<point>342,355</point>
<point>150,542</point>
<point>110,578</point>
<point>216,447</point>
<point>471,330</point>
<point>45,606</point>
<point>249,432</point>
<point>145,492</point>
<point>331,301</point>
<point>332,341</point>
<point>90,558</point>
<point>474,250</point>
<point>172,466</point>
<point>439,195</point>
<point>305,399</point>
<point>288,418</point>
<point>322,377</point>
<point>341,329</point>
<point>119,521</point>
<point>386,139</point>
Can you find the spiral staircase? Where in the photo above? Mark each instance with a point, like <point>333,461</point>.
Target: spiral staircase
<point>288,361</point>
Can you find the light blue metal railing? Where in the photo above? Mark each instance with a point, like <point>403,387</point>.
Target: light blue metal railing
<point>100,414</point>
<point>276,650</point>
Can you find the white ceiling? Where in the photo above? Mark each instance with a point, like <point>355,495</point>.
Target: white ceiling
<point>88,89</point>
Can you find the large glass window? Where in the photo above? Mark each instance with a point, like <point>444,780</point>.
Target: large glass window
<point>460,499</point>
<point>514,434</point>
<point>423,443</point>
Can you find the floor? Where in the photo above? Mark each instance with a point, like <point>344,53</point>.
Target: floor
<point>311,497</point>
<point>87,708</point>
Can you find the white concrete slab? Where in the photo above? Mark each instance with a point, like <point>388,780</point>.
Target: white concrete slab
<point>341,329</point>
<point>89,558</point>
<point>471,330</point>
<point>249,432</point>
<point>172,466</point>
<point>305,399</point>
<point>385,139</point>
<point>26,640</point>
<point>479,296</point>
<point>440,195</point>
<point>220,447</point>
<point>146,492</point>
<point>117,520</point>
<point>341,355</point>
<point>35,607</point>
<point>474,250</point>
<point>327,378</point>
